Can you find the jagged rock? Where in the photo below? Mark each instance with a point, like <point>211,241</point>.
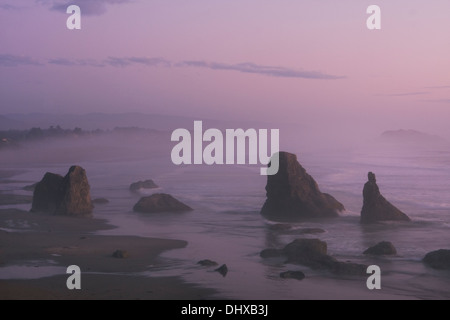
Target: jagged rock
<point>160,202</point>
<point>207,263</point>
<point>271,253</point>
<point>293,194</point>
<point>298,275</point>
<point>120,254</point>
<point>376,207</point>
<point>100,201</point>
<point>223,270</point>
<point>381,249</point>
<point>147,184</point>
<point>439,259</point>
<point>64,196</point>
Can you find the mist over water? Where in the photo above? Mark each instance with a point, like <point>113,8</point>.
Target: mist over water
<point>226,225</point>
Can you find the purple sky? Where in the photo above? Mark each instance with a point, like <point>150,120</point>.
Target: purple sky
<point>281,60</point>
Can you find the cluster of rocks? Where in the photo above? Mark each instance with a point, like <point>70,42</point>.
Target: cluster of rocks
<point>70,195</point>
<point>292,194</point>
<point>223,269</point>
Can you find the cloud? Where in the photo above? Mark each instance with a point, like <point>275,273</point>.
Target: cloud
<point>124,62</point>
<point>75,63</point>
<point>248,67</point>
<point>438,87</point>
<point>437,100</point>
<point>88,7</point>
<point>8,7</point>
<point>416,93</point>
<point>9,60</point>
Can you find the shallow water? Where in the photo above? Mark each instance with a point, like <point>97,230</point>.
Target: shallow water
<point>226,225</point>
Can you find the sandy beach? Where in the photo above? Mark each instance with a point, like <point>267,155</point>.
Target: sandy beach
<point>67,241</point>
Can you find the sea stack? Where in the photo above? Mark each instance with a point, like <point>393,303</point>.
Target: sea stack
<point>69,195</point>
<point>293,194</point>
<point>376,207</point>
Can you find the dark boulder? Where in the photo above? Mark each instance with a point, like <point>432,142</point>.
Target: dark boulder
<point>298,275</point>
<point>376,207</point>
<point>160,202</point>
<point>384,248</point>
<point>64,196</point>
<point>207,263</point>
<point>147,184</point>
<point>293,194</point>
<point>305,250</point>
<point>439,259</point>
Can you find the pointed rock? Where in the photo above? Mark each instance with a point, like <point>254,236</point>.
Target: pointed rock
<point>76,199</point>
<point>376,207</point>
<point>293,194</point>
<point>223,270</point>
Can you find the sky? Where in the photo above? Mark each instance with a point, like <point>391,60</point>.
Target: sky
<point>311,62</point>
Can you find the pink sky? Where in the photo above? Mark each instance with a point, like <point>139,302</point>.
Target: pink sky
<point>278,61</point>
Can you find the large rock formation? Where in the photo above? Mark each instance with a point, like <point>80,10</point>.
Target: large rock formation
<point>69,195</point>
<point>160,202</point>
<point>376,207</point>
<point>292,194</point>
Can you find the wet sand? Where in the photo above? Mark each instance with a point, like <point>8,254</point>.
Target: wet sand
<point>68,241</point>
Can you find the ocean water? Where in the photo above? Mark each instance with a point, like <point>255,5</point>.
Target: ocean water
<point>226,225</point>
